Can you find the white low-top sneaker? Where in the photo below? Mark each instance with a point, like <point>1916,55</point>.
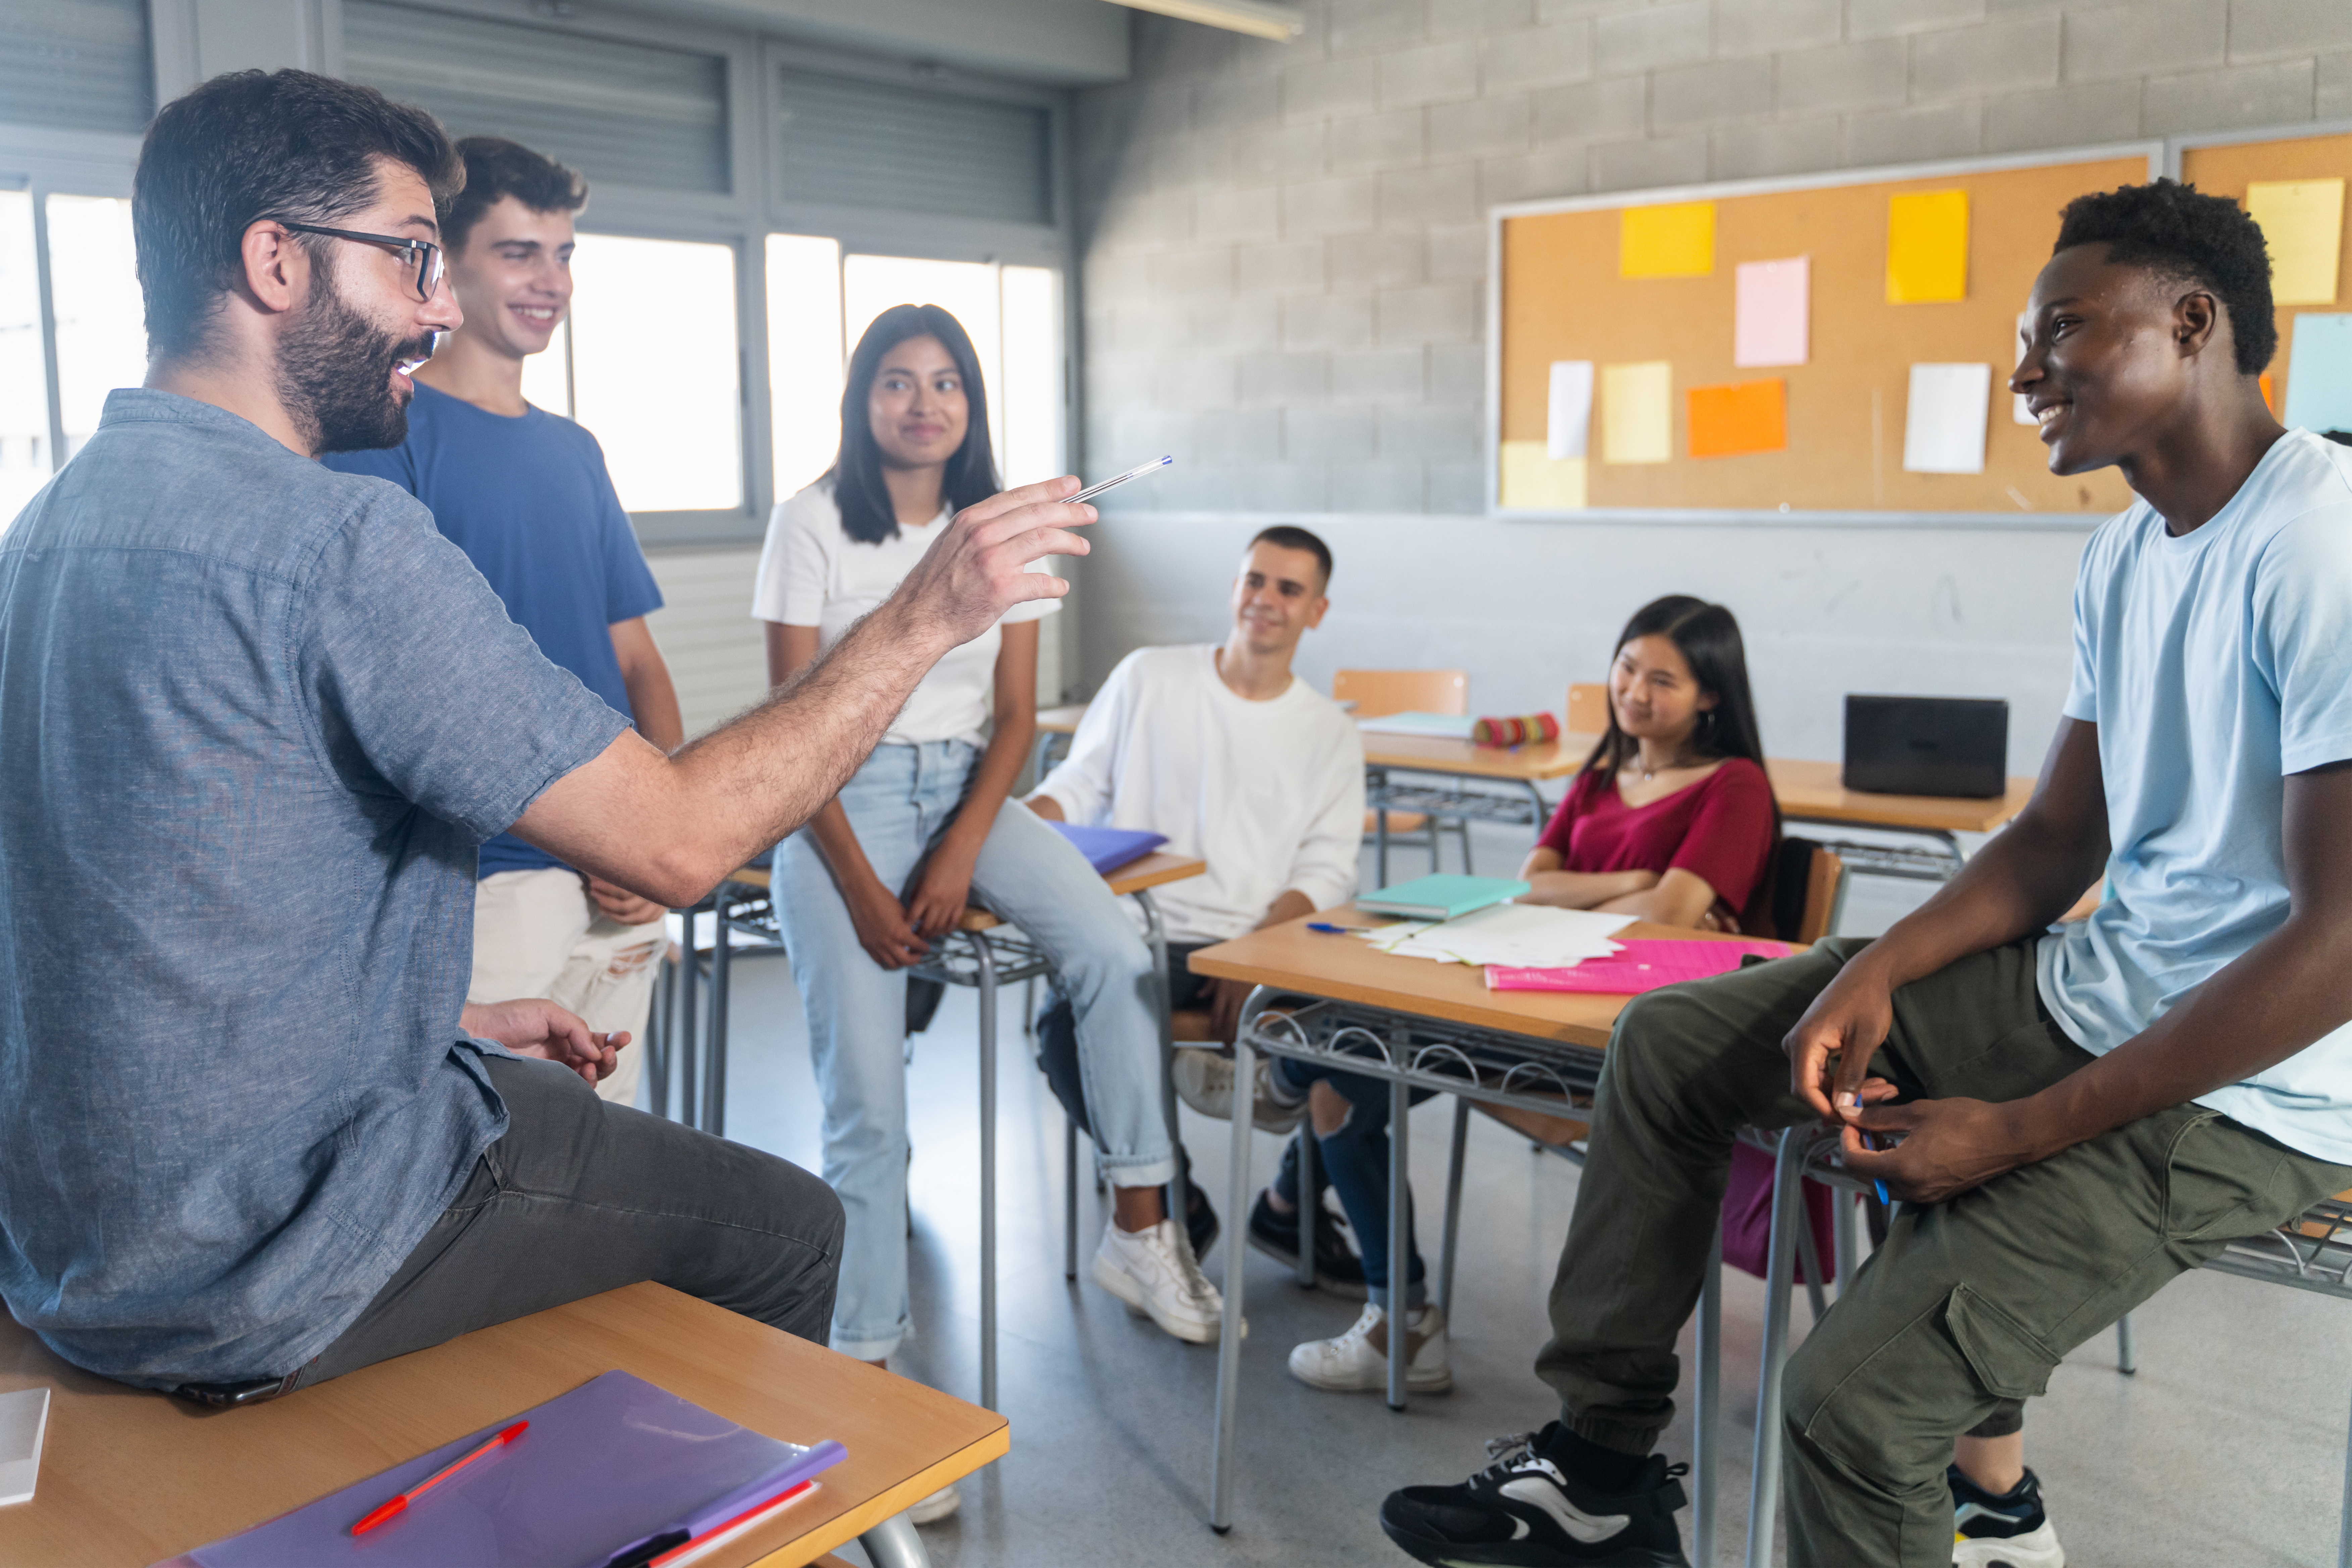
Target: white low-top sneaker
<point>1204,1081</point>
<point>1358,1360</point>
<point>1154,1272</point>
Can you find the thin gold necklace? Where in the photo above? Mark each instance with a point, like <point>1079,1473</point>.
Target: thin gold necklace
<point>1647,774</point>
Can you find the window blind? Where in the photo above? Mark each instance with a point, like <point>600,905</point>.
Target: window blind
<point>850,142</point>
<point>82,65</point>
<point>632,113</point>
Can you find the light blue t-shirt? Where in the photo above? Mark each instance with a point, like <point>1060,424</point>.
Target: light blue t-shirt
<point>257,717</point>
<point>2215,664</point>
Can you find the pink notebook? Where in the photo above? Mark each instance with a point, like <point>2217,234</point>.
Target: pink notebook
<point>607,1466</point>
<point>1639,965</point>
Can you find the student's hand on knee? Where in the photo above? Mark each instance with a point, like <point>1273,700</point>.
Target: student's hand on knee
<point>1941,1148</point>
<point>885,931</point>
<point>1830,1050</point>
<point>621,906</point>
<point>941,891</point>
<point>530,1026</point>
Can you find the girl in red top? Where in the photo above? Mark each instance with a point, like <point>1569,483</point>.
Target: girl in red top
<point>1671,818</point>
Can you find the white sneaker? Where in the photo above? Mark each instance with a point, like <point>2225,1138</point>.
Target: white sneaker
<point>936,1506</point>
<point>1204,1081</point>
<point>1154,1272</point>
<point>1358,1360</point>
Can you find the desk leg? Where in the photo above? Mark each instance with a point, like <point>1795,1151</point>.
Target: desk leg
<point>1374,779</point>
<point>984,964</point>
<point>1310,1199</point>
<point>1155,936</point>
<point>1542,809</point>
<point>714,1071</point>
<point>893,1543</point>
<point>1229,1327</point>
<point>1452,1208</point>
<point>657,1045</point>
<point>1400,1231</point>
<point>1706,1406</point>
<point>690,1033</point>
<point>1843,1236</point>
<point>1779,1304</point>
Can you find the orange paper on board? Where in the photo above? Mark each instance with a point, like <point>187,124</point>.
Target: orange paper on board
<point>1746,417</point>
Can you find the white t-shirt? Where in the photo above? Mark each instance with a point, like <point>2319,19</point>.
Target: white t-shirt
<point>2215,664</point>
<point>1270,794</point>
<point>812,573</point>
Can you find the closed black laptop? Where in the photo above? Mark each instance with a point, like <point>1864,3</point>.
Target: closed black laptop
<point>1927,745</point>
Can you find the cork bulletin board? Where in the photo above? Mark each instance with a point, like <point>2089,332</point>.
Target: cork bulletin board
<point>1561,293</point>
<point>2228,168</point>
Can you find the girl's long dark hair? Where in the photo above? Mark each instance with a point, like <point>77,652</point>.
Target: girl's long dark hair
<point>867,514</point>
<point>1707,636</point>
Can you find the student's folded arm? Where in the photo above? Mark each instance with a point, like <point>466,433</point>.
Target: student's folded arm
<point>1680,899</point>
<point>1548,884</point>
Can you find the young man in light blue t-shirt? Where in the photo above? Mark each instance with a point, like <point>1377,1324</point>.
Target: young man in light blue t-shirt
<point>2078,1114</point>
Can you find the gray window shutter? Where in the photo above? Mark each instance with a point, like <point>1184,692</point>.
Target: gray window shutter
<point>83,64</point>
<point>630,113</point>
<point>851,142</point>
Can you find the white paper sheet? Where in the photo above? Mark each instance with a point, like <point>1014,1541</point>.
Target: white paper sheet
<point>1567,431</point>
<point>1532,936</point>
<point>23,1416</point>
<point>1944,421</point>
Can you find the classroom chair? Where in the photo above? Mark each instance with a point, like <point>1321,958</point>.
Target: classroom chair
<point>1586,711</point>
<point>1376,694</point>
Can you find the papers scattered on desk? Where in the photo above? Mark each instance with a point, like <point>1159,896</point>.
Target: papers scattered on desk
<point>1441,726</point>
<point>1529,936</point>
<point>1639,965</point>
<point>24,1416</point>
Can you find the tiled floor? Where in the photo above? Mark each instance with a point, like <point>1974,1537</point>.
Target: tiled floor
<point>2227,1448</point>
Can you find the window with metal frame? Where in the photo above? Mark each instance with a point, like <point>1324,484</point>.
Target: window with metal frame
<point>853,143</point>
<point>79,64</point>
<point>632,113</point>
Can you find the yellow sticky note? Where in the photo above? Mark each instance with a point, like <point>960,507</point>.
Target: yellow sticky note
<point>1928,247</point>
<point>2303,224</point>
<point>1637,412</point>
<point>1676,240</point>
<point>1535,480</point>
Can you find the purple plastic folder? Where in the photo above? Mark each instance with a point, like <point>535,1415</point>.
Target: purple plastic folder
<point>602,1467</point>
<point>1109,848</point>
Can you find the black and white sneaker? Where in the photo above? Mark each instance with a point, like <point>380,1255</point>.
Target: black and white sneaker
<point>1524,1510</point>
<point>2011,1531</point>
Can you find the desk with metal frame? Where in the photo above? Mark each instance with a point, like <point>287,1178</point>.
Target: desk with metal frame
<point>1435,1026</point>
<point>984,952</point>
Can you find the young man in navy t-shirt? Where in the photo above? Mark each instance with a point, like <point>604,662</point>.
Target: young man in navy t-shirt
<point>525,494</point>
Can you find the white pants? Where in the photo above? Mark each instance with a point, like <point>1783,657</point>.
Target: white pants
<point>538,933</point>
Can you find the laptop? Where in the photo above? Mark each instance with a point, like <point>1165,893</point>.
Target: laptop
<point>1927,745</point>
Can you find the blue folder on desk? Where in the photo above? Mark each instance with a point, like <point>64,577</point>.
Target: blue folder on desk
<point>1109,848</point>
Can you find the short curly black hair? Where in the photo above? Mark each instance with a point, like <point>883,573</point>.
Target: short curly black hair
<point>2184,233</point>
<point>497,168</point>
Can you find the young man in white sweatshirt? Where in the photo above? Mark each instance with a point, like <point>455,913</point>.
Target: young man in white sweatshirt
<point>1238,761</point>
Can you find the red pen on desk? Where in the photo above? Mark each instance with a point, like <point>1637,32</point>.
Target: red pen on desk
<point>436,1479</point>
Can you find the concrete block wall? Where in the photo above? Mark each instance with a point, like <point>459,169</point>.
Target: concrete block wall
<point>1284,262</point>
<point>1285,248</point>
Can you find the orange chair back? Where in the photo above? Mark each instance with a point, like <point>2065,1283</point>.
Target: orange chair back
<point>1588,708</point>
<point>1377,693</point>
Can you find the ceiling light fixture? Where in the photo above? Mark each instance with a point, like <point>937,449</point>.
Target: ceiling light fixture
<point>1259,19</point>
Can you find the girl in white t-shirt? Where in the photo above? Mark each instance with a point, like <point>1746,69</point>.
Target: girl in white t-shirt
<point>886,868</point>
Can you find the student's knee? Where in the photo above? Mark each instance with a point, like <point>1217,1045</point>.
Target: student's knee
<point>1328,1109</point>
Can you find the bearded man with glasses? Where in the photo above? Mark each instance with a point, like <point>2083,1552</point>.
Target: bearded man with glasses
<point>259,715</point>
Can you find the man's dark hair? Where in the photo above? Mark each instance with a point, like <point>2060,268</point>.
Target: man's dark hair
<point>497,168</point>
<point>2183,233</point>
<point>867,513</point>
<point>251,146</point>
<point>1283,536</point>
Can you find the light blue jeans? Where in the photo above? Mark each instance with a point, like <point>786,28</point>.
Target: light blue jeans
<point>898,803</point>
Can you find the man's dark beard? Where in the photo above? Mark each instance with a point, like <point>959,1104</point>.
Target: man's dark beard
<point>334,374</point>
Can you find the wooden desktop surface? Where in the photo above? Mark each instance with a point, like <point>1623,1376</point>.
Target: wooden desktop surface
<point>1061,721</point>
<point>129,1477</point>
<point>1345,969</point>
<point>1810,790</point>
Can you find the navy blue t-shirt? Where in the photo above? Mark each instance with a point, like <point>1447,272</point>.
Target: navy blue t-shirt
<point>530,503</point>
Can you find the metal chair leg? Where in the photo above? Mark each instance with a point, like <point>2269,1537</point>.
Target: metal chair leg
<point>893,1543</point>
<point>2344,1525</point>
<point>714,1071</point>
<point>2126,1357</point>
<point>1706,1406</point>
<point>1229,1327</point>
<point>1449,1246</point>
<point>1400,1232</point>
<point>1843,1234</point>
<point>1069,1197</point>
<point>1809,1253</point>
<point>660,1033</point>
<point>1788,1213</point>
<point>689,1034</point>
<point>1310,1199</point>
<point>1462,825</point>
<point>984,965</point>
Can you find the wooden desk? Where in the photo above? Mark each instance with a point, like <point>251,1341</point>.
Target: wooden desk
<point>1809,792</point>
<point>129,1477</point>
<point>1061,721</point>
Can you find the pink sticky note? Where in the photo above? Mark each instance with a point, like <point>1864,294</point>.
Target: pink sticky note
<point>1773,321</point>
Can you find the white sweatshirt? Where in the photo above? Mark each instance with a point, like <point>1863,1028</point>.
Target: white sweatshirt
<point>1271,793</point>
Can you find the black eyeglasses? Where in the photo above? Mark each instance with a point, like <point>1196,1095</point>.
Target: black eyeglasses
<point>424,252</point>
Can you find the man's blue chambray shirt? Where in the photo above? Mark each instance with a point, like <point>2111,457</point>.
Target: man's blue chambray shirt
<point>255,716</point>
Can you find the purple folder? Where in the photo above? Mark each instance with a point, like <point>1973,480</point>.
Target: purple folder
<point>602,1467</point>
<point>1109,848</point>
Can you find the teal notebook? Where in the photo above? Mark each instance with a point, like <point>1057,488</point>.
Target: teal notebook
<point>1440,898</point>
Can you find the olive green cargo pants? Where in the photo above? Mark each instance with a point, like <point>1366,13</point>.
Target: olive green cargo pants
<point>1969,1304</point>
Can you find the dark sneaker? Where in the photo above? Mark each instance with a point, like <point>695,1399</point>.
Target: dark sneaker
<point>2011,1530</point>
<point>1336,1269</point>
<point>1526,1511</point>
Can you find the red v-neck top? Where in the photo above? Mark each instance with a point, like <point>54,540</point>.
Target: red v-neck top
<point>1718,829</point>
